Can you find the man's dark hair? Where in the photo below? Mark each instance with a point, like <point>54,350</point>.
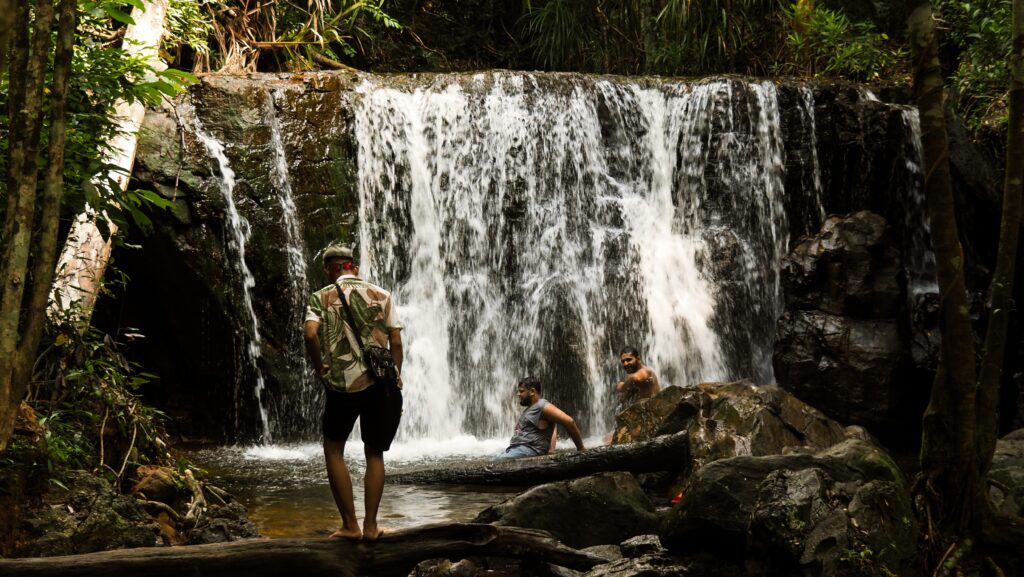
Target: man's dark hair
<point>629,351</point>
<point>530,383</point>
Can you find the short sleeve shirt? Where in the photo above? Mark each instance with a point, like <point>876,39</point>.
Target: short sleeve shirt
<point>374,312</point>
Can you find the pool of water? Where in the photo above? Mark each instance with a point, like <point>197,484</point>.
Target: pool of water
<point>286,492</point>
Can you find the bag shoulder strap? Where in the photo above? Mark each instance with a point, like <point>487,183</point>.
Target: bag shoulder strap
<point>351,318</point>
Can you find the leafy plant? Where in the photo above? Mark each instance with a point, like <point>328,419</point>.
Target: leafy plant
<point>825,41</point>
<point>978,35</point>
<point>86,394</point>
<point>713,35</point>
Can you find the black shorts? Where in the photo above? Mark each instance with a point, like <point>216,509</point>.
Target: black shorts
<point>379,410</point>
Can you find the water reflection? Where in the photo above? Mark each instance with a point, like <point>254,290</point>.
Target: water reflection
<point>286,491</point>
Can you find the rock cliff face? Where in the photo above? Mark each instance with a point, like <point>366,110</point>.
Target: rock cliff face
<point>844,342</point>
<point>291,139</point>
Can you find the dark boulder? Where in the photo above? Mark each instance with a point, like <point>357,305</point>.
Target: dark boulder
<point>88,516</point>
<point>596,510</point>
<point>849,268</point>
<point>1007,493</point>
<point>845,343</point>
<point>849,368</point>
<point>223,523</point>
<point>729,419</point>
<point>835,512</point>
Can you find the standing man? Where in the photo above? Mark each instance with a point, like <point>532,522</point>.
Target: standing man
<point>351,393</point>
<point>640,381</point>
<point>535,429</point>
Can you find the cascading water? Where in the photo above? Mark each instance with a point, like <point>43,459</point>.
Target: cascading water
<point>920,258</point>
<point>305,400</point>
<point>530,229</point>
<point>812,130</point>
<point>238,236</point>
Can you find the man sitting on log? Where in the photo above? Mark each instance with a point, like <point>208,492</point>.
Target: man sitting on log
<point>536,428</point>
<point>640,381</point>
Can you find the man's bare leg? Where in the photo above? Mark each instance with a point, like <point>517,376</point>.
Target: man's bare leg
<point>373,484</point>
<point>341,488</point>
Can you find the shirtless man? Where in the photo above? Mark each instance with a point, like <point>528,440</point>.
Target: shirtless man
<point>640,382</point>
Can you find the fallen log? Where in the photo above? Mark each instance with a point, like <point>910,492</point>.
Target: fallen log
<point>665,453</point>
<point>394,554</point>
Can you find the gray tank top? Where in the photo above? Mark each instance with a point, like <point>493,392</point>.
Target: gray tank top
<point>527,433</point>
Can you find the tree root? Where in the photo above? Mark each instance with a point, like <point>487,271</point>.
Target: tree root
<point>197,506</point>
<point>952,558</point>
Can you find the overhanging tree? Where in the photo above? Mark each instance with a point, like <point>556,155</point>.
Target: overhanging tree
<point>960,423</point>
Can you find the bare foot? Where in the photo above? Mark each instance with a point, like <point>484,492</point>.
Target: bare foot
<point>372,533</point>
<point>345,533</point>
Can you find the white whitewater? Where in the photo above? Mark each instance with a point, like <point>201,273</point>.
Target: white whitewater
<point>238,236</point>
<point>535,231</point>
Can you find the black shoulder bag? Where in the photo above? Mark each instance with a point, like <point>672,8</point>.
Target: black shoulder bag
<point>378,360</point>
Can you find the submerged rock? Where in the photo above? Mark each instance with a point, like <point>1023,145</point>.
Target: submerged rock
<point>837,512</point>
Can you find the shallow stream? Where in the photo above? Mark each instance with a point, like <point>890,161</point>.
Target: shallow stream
<point>286,492</point>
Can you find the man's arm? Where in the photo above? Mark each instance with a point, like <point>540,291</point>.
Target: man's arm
<point>394,343</point>
<point>555,415</point>
<point>312,339</point>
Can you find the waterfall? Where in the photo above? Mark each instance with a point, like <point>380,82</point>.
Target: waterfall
<point>531,229</point>
<point>812,131</point>
<point>304,402</point>
<point>238,232</point>
<point>920,257</point>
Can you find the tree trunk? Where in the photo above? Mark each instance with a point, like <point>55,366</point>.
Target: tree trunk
<point>23,176</point>
<point>393,555</point>
<point>83,261</point>
<point>666,453</point>
<point>44,242</point>
<point>1006,259</point>
<point>8,18</point>
<point>949,452</point>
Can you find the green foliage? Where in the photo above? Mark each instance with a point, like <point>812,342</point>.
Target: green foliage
<point>102,74</point>
<point>86,396</point>
<point>979,33</point>
<point>562,33</point>
<point>824,41</point>
<point>188,26</point>
<point>683,37</point>
<point>713,35</point>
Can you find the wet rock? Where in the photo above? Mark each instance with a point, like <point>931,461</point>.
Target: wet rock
<point>849,268</point>
<point>609,551</point>
<point>835,512</point>
<point>641,545</point>
<point>578,512</point>
<point>849,368</point>
<point>845,343</point>
<point>221,524</point>
<point>730,419</point>
<point>662,414</point>
<point>662,564</point>
<point>1008,471</point>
